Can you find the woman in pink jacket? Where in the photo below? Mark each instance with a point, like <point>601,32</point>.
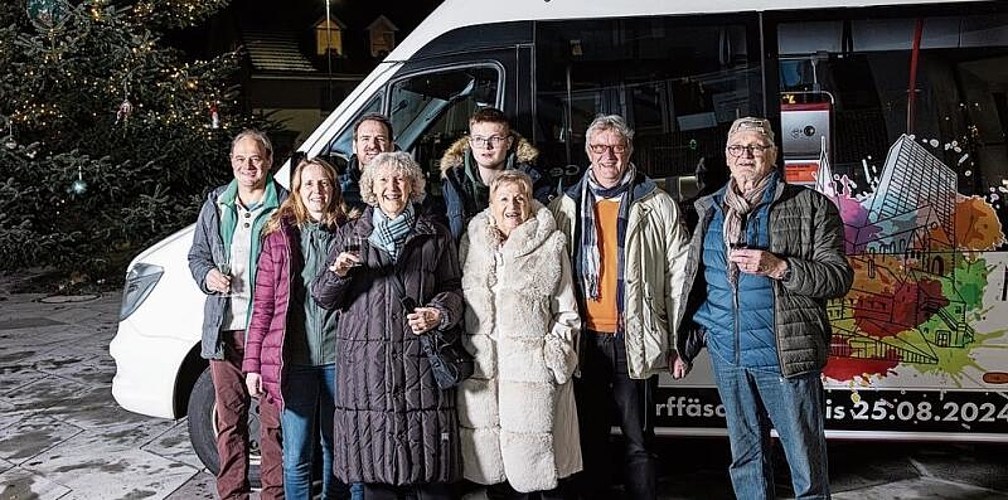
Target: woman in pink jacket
<point>291,347</point>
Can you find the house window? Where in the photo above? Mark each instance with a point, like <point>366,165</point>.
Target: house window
<point>381,33</point>
<point>329,36</point>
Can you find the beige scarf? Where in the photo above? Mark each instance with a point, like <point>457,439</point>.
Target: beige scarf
<point>737,206</point>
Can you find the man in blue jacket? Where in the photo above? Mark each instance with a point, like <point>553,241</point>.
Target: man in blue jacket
<point>765,258</point>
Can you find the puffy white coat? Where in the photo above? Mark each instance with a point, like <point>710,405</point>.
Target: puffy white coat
<point>516,413</point>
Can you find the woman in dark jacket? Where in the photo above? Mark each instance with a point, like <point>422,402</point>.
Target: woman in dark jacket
<point>291,347</point>
<point>394,274</point>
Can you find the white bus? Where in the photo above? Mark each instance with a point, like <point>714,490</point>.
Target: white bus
<point>896,109</point>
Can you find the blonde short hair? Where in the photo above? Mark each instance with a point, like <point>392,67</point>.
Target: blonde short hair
<point>512,177</point>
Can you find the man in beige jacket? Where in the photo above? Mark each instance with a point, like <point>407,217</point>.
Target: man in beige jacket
<point>628,250</point>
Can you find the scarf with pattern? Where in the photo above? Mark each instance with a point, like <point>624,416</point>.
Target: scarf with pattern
<point>737,206</point>
<point>590,255</point>
<point>390,234</point>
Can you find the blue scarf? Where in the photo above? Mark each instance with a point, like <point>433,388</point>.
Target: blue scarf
<point>590,255</point>
<point>390,234</point>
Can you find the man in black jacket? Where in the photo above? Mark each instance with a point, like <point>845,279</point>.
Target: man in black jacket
<point>474,161</point>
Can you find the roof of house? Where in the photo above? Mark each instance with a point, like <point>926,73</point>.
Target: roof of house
<point>276,51</point>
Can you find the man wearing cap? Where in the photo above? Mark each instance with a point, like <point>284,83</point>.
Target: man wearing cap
<point>765,258</point>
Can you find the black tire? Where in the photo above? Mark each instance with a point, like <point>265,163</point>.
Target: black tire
<point>203,430</point>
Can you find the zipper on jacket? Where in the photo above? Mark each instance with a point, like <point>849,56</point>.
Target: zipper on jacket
<point>735,320</point>
<point>283,337</point>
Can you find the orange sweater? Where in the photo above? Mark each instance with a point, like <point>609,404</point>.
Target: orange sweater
<point>601,315</point>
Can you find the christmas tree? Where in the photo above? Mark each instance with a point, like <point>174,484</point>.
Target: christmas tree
<point>109,138</point>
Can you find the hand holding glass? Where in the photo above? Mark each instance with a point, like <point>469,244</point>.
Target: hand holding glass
<point>225,270</point>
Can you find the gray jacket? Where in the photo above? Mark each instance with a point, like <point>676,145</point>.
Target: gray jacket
<point>807,231</point>
<point>206,251</point>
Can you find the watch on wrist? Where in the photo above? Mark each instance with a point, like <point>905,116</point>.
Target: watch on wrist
<point>786,275</point>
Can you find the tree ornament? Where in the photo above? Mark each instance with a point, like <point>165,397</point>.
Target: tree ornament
<point>125,110</point>
<point>9,141</point>
<point>79,185</point>
<point>214,116</point>
<point>48,14</point>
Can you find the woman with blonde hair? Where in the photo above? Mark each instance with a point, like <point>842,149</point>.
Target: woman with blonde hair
<point>291,348</point>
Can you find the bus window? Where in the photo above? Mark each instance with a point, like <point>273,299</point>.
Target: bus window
<point>957,111</point>
<point>431,110</point>
<point>341,148</point>
<point>679,83</point>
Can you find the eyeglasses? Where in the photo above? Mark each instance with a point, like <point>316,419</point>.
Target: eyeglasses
<point>241,160</point>
<point>601,148</point>
<point>754,149</point>
<point>481,142</point>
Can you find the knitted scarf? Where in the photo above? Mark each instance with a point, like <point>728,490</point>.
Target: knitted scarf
<point>590,255</point>
<point>737,206</point>
<point>390,234</point>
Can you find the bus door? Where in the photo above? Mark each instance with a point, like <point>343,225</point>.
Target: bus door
<point>433,94</point>
<point>915,159</point>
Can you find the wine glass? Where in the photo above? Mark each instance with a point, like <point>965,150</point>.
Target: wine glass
<point>355,246</point>
<point>225,269</point>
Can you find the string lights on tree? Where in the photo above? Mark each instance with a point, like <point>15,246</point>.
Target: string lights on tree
<point>108,127</point>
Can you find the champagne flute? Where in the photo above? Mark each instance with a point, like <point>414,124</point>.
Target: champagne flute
<point>225,269</point>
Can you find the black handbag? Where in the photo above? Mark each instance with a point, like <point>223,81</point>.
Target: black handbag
<point>450,362</point>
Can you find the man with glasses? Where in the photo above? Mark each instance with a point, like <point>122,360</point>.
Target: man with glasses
<point>629,254</point>
<point>762,263</point>
<point>223,260</point>
<point>473,162</point>
<point>372,135</point>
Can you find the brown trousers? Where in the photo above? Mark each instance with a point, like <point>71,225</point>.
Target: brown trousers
<point>233,404</point>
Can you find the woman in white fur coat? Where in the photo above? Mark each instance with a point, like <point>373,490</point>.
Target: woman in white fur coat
<point>517,417</point>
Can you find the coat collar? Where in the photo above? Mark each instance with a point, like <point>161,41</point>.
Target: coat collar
<point>455,157</point>
<point>642,186</point>
<point>523,240</point>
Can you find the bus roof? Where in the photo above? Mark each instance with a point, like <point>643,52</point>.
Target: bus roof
<point>453,14</point>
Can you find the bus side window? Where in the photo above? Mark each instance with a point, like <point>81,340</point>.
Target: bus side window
<point>340,149</point>
<point>679,83</point>
<point>431,110</point>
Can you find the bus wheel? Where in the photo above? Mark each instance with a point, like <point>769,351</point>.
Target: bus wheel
<point>202,414</point>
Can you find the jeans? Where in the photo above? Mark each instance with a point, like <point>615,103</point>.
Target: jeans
<point>232,403</point>
<point>755,400</point>
<point>308,393</point>
<point>604,383</point>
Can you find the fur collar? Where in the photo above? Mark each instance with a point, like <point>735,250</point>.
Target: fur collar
<point>454,157</point>
<point>524,239</point>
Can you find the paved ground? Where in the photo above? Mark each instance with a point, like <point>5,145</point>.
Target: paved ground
<point>63,437</point>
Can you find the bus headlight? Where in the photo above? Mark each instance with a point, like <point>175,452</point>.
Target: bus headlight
<point>140,281</point>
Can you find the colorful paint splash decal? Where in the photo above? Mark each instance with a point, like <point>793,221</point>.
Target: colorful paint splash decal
<point>921,277</point>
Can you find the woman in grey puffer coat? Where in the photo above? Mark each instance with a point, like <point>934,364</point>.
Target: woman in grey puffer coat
<point>396,431</point>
